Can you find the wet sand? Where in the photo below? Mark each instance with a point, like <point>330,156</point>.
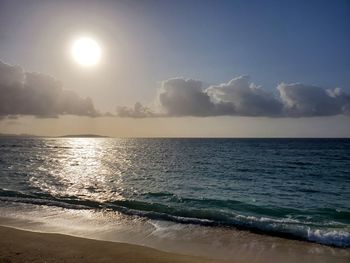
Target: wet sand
<point>25,246</point>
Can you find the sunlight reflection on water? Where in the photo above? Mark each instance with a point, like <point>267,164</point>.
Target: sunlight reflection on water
<point>80,168</point>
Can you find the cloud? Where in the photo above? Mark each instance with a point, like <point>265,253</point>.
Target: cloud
<point>138,111</point>
<point>307,101</point>
<point>240,97</point>
<point>27,93</point>
<point>247,98</point>
<point>179,97</point>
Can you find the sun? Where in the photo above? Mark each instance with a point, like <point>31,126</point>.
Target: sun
<point>86,51</point>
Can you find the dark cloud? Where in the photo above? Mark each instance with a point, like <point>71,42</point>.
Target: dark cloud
<point>241,97</point>
<point>180,97</point>
<point>307,101</point>
<point>27,93</point>
<point>246,98</point>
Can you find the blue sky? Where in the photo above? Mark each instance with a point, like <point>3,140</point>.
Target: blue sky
<point>273,41</point>
<point>145,43</point>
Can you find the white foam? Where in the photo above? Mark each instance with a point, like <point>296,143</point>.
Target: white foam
<point>216,242</point>
<point>339,238</point>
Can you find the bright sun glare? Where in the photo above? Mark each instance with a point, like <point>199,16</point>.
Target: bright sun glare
<point>86,51</point>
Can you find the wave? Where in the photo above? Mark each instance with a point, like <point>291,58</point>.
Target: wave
<point>277,222</point>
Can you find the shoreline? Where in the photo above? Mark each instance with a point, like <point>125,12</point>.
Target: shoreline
<point>209,243</point>
<point>27,246</point>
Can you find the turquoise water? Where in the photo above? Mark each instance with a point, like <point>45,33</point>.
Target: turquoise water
<point>293,188</point>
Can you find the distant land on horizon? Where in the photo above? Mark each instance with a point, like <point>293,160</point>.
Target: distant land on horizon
<point>62,136</point>
<point>105,136</point>
<point>19,135</point>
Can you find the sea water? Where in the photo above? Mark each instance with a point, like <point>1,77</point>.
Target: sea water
<point>213,190</point>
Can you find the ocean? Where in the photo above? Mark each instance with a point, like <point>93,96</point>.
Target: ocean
<point>289,189</point>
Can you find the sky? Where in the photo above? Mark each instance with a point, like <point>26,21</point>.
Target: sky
<point>177,68</point>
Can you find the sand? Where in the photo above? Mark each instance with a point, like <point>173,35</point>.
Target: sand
<point>24,246</point>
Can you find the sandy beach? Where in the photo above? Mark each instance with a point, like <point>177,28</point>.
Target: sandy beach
<point>25,246</point>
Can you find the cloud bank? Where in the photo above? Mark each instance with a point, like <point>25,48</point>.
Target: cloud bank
<point>27,93</point>
<point>240,97</point>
